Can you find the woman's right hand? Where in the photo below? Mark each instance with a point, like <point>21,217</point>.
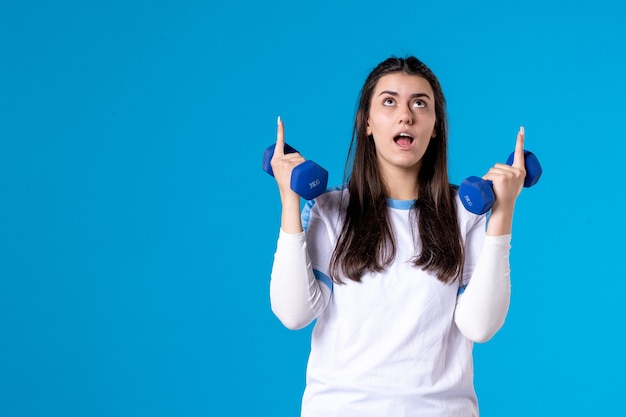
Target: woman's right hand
<point>282,166</point>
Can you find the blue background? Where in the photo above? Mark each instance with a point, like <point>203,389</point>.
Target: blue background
<point>137,229</point>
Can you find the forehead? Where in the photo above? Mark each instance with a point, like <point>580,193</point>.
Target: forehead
<point>403,84</point>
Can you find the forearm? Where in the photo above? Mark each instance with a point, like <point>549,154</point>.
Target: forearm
<point>296,297</point>
<point>500,221</point>
<point>482,308</point>
<point>290,220</point>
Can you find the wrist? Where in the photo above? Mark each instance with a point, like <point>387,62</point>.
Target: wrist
<point>290,219</point>
<point>500,223</point>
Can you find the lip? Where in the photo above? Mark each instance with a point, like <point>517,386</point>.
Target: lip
<point>406,132</point>
<point>410,135</point>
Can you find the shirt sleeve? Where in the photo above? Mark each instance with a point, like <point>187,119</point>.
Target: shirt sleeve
<point>482,308</point>
<point>296,296</point>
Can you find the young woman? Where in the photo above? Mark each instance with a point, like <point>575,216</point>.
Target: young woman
<point>400,279</point>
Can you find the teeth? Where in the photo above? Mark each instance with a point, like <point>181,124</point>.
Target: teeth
<point>404,134</point>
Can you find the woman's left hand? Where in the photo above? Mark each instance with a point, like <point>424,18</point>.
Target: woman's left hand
<point>508,180</point>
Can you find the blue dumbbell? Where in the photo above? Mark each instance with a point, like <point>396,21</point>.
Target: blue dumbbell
<point>477,194</point>
<point>308,179</point>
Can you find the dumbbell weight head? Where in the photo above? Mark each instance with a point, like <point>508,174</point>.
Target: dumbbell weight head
<point>308,179</point>
<point>269,153</point>
<point>477,194</point>
<point>533,167</point>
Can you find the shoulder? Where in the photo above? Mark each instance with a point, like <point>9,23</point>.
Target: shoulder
<point>327,204</point>
<point>467,219</point>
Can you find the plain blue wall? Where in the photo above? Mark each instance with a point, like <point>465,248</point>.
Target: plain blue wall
<point>137,228</point>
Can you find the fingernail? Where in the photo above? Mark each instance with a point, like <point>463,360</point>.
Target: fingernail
<point>521,129</point>
<point>278,121</point>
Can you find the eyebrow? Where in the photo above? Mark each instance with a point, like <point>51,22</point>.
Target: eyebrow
<point>393,93</point>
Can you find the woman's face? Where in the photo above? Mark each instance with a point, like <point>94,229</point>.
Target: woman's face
<point>402,121</point>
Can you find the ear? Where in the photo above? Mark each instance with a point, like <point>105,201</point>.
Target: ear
<point>360,116</point>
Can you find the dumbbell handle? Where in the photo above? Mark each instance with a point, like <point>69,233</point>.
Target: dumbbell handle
<point>308,179</point>
<point>477,194</point>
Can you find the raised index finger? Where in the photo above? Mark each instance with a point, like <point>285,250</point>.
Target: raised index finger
<point>279,149</point>
<point>518,159</point>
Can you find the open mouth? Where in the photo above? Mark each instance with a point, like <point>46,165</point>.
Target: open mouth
<point>403,139</point>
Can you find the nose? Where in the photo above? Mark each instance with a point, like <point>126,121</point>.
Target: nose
<point>406,115</point>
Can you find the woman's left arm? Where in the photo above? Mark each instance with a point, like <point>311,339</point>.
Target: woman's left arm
<point>482,308</point>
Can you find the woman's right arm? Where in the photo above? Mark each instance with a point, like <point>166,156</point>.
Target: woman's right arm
<point>296,296</point>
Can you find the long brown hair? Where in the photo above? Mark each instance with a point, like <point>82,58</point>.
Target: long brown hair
<point>366,242</point>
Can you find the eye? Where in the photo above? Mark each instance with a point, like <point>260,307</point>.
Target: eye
<point>419,104</point>
<point>389,101</point>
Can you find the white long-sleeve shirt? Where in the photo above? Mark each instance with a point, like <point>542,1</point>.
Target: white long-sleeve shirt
<point>400,341</point>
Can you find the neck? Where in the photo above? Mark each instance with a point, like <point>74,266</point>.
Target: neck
<point>402,185</point>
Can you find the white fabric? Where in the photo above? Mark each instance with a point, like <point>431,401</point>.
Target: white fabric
<point>296,296</point>
<point>399,343</point>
